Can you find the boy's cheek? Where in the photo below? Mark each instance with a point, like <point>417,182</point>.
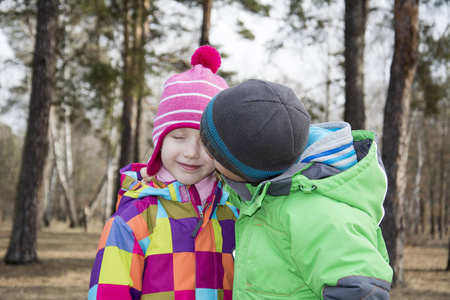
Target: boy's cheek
<point>227,173</point>
<point>209,154</point>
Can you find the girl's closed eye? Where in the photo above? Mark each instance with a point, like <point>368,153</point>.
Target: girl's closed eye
<point>178,137</point>
<point>178,134</point>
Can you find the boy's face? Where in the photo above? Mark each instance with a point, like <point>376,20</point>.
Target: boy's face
<point>184,156</point>
<point>226,172</point>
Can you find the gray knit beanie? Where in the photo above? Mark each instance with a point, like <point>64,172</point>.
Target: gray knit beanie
<point>256,129</point>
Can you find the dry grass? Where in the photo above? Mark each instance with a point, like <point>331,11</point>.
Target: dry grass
<point>426,278</point>
<point>66,258</point>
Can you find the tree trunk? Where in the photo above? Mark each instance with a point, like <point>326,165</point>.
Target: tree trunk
<point>49,179</point>
<point>111,168</point>
<point>68,166</point>
<point>444,176</point>
<point>408,203</point>
<point>328,74</point>
<point>136,32</point>
<point>93,203</point>
<point>63,167</point>
<point>142,36</point>
<point>22,247</point>
<point>416,202</point>
<point>206,24</point>
<point>448,260</point>
<point>134,25</point>
<point>129,99</point>
<point>128,129</point>
<point>432,193</point>
<point>428,142</point>
<point>49,189</point>
<point>396,113</point>
<point>355,27</point>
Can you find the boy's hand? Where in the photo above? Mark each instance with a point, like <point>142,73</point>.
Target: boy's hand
<point>145,177</point>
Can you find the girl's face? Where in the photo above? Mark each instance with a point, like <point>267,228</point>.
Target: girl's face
<point>184,156</point>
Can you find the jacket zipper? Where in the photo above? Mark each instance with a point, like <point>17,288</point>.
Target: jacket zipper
<point>198,226</point>
<point>200,215</point>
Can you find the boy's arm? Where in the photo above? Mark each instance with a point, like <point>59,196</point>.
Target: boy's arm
<point>338,250</point>
<point>117,271</point>
<point>137,171</point>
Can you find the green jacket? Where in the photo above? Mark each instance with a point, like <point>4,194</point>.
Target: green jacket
<point>306,238</point>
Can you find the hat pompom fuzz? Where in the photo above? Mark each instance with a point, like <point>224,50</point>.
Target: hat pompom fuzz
<point>208,57</point>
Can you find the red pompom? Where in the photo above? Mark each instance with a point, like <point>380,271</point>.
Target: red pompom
<point>208,57</point>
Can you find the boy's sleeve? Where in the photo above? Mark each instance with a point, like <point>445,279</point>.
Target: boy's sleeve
<point>119,264</point>
<point>338,250</point>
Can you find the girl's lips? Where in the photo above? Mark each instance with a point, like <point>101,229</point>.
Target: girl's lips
<point>188,167</point>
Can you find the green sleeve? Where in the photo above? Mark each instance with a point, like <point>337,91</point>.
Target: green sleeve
<point>336,248</point>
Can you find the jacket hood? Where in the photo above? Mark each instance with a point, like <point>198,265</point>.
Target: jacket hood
<point>132,188</point>
<point>362,185</point>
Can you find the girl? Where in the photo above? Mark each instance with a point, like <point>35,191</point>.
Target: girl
<point>172,237</point>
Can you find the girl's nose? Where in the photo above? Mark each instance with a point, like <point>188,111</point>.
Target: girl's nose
<point>192,149</point>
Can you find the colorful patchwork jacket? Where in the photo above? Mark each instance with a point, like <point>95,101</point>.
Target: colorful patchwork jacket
<point>160,244</point>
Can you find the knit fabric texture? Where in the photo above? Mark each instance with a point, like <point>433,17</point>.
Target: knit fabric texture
<point>330,144</point>
<point>161,245</point>
<point>256,129</point>
<point>184,99</point>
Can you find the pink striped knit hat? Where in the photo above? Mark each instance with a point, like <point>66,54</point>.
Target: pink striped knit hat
<point>184,98</point>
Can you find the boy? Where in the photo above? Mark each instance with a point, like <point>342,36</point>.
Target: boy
<point>310,197</point>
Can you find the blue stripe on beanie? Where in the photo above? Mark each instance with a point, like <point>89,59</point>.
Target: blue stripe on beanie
<point>214,137</point>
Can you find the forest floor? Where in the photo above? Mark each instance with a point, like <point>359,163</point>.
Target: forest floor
<point>67,255</point>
